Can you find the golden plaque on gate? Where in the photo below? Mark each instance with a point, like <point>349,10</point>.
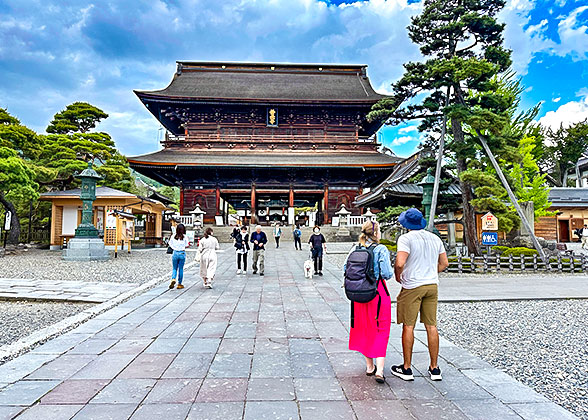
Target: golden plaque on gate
<point>272,117</point>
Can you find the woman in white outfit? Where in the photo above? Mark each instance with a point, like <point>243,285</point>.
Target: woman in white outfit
<point>207,248</point>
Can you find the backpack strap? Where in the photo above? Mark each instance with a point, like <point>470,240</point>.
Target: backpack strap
<point>352,315</point>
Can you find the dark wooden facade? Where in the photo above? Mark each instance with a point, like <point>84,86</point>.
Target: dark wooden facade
<point>257,134</point>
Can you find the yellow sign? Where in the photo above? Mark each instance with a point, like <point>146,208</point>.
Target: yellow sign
<point>272,117</point>
<point>489,222</point>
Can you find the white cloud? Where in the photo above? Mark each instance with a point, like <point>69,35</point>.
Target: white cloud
<point>556,99</point>
<point>399,141</point>
<point>567,114</point>
<point>573,33</point>
<point>408,129</point>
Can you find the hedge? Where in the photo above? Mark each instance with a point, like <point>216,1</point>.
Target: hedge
<point>515,252</point>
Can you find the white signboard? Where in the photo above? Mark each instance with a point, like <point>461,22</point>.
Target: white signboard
<point>110,220</point>
<point>489,222</point>
<point>7,220</point>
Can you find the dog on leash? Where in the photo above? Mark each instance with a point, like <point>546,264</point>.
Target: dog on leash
<point>308,269</point>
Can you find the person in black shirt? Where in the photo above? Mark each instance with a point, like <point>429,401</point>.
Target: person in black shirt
<point>258,239</point>
<point>317,243</point>
<point>242,246</point>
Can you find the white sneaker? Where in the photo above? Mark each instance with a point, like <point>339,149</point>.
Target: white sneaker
<point>239,271</point>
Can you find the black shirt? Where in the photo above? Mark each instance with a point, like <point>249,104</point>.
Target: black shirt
<point>317,240</point>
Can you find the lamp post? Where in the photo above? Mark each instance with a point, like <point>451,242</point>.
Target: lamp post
<point>86,245</point>
<point>427,183</point>
<point>89,177</point>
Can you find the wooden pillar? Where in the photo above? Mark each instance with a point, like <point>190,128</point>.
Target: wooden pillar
<point>326,205</point>
<point>181,200</point>
<point>53,233</point>
<point>291,197</point>
<point>217,206</point>
<point>253,205</point>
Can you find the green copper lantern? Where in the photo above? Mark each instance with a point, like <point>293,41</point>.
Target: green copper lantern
<point>427,183</point>
<point>89,177</point>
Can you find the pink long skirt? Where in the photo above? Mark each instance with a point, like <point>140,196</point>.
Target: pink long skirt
<point>368,336</point>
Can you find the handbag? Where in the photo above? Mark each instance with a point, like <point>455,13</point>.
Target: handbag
<point>169,250</point>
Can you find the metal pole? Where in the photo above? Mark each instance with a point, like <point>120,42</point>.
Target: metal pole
<point>513,199</point>
<point>431,221</point>
<point>30,221</point>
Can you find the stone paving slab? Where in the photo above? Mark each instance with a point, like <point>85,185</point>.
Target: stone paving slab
<point>62,291</point>
<point>253,347</point>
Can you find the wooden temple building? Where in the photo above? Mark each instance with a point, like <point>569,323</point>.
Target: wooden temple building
<point>266,138</point>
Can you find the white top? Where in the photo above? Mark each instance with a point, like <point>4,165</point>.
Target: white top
<point>584,233</point>
<point>208,244</point>
<point>178,245</point>
<point>421,265</point>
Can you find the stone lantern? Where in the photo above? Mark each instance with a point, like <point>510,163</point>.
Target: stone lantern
<point>427,183</point>
<point>198,215</point>
<point>86,245</point>
<point>343,214</point>
<point>369,215</point>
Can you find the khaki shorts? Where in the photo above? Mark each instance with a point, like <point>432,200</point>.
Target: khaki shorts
<point>421,299</point>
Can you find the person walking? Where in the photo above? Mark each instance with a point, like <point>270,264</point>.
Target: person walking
<point>584,237</point>
<point>420,258</point>
<point>317,243</point>
<point>207,247</point>
<point>277,234</point>
<point>297,233</point>
<point>242,246</point>
<point>258,239</point>
<point>178,243</point>
<point>370,321</point>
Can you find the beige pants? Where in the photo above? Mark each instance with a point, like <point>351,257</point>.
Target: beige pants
<point>258,257</point>
<point>584,241</point>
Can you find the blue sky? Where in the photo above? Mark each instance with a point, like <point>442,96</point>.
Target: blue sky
<point>53,53</point>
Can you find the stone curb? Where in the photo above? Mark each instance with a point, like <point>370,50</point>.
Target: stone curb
<point>12,350</point>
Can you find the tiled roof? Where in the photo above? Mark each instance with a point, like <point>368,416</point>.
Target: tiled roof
<point>268,81</point>
<point>247,158</point>
<point>100,192</point>
<point>568,197</point>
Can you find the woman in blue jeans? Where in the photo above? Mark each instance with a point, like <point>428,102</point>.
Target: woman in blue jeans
<point>178,243</point>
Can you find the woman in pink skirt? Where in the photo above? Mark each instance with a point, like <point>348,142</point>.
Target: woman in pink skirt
<point>370,328</point>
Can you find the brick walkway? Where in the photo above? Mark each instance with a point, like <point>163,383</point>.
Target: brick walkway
<point>70,291</point>
<point>272,347</point>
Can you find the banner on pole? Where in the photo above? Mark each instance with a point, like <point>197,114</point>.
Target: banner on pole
<point>7,220</point>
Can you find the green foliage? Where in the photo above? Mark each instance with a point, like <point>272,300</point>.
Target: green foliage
<point>78,117</point>
<point>17,180</point>
<point>563,147</point>
<point>390,214</point>
<point>116,174</point>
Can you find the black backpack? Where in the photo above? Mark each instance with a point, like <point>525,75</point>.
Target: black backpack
<point>360,281</point>
<point>361,284</point>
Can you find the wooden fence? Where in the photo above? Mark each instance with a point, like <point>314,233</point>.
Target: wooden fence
<point>493,263</point>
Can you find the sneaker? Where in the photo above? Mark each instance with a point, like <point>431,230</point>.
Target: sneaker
<point>254,271</point>
<point>180,286</point>
<point>172,284</point>
<point>208,286</point>
<point>405,374</point>
<point>261,274</point>
<point>239,271</point>
<point>315,273</point>
<point>435,374</point>
<point>320,273</point>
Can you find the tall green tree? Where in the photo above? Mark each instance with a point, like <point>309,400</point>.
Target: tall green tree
<point>79,117</point>
<point>462,42</point>
<point>562,149</point>
<point>18,145</point>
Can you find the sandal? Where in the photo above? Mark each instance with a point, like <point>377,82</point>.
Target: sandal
<point>372,373</point>
<point>380,379</point>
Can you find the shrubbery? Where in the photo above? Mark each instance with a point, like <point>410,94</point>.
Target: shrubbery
<point>505,251</point>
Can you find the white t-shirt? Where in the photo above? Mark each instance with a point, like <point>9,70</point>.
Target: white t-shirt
<point>424,249</point>
<point>584,233</point>
<point>177,244</point>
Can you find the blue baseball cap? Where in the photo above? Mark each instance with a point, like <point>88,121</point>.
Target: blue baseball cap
<point>412,219</point>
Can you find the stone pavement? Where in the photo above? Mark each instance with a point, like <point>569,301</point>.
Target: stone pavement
<point>272,347</point>
<point>70,291</point>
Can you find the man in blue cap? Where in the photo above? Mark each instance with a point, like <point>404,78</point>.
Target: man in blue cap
<point>421,257</point>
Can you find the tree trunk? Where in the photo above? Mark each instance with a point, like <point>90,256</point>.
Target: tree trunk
<point>469,216</point>
<point>14,233</point>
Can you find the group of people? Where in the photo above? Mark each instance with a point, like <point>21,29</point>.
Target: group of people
<point>420,257</point>
<point>582,233</point>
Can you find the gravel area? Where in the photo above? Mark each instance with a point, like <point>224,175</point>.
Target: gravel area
<point>543,344</point>
<point>137,267</point>
<point>19,318</point>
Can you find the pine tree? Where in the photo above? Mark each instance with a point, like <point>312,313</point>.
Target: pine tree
<point>462,43</point>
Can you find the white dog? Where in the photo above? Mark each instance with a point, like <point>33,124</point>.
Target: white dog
<point>308,269</point>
